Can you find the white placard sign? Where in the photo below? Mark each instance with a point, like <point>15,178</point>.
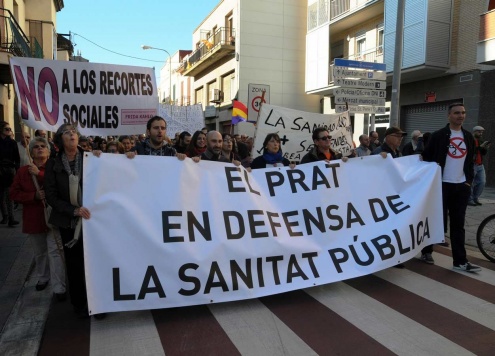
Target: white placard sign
<point>103,99</point>
<point>208,232</point>
<point>182,118</point>
<point>295,129</point>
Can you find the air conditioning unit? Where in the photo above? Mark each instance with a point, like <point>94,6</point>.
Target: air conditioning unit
<point>216,95</point>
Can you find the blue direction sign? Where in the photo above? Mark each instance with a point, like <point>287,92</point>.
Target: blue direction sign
<point>358,64</point>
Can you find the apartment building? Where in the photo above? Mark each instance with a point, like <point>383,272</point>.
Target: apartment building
<point>244,42</point>
<point>28,29</point>
<point>448,56</point>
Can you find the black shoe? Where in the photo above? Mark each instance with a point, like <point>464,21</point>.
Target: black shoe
<point>41,285</point>
<point>400,265</point>
<point>13,223</point>
<point>4,221</point>
<point>81,312</point>
<point>100,316</point>
<point>477,202</point>
<point>472,203</point>
<point>61,296</point>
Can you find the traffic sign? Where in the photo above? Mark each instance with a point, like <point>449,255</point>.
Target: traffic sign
<point>255,92</point>
<point>340,62</point>
<point>359,100</point>
<point>362,83</point>
<point>361,109</point>
<point>360,92</point>
<point>344,72</point>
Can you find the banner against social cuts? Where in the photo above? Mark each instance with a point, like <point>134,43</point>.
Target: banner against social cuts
<point>102,99</point>
<point>208,232</point>
<point>295,129</point>
<point>182,118</point>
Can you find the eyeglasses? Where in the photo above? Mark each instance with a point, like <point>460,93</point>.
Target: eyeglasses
<point>8,129</point>
<point>38,146</point>
<point>28,137</point>
<point>68,132</point>
<point>324,138</point>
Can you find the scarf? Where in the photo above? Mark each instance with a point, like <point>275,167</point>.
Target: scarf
<point>75,193</point>
<point>272,158</point>
<point>198,151</point>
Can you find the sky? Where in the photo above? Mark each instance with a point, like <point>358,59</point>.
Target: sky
<point>112,31</point>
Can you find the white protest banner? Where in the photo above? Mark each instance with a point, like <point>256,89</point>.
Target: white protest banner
<point>102,99</point>
<point>182,118</point>
<point>296,127</point>
<point>167,233</point>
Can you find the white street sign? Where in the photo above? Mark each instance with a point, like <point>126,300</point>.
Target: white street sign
<point>363,83</point>
<point>359,100</point>
<point>361,109</point>
<point>360,92</point>
<point>344,72</point>
<point>255,93</point>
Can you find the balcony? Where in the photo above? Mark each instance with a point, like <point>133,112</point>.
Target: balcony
<point>346,14</point>
<point>486,42</point>
<point>210,50</point>
<point>14,41</point>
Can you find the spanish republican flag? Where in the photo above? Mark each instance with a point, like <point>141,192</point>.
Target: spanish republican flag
<point>239,112</point>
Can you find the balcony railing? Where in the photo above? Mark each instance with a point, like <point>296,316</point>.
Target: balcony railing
<point>221,42</point>
<point>340,7</point>
<point>13,39</point>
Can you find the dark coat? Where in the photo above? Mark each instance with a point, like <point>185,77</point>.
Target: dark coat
<point>57,192</point>
<point>386,148</point>
<point>438,147</point>
<point>315,155</point>
<point>259,162</point>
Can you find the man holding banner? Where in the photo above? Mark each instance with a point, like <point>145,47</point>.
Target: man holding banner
<point>321,150</point>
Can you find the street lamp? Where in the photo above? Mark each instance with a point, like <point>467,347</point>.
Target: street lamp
<point>145,47</point>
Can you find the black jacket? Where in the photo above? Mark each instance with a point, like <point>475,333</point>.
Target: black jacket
<point>386,148</point>
<point>438,147</point>
<point>315,155</point>
<point>57,192</point>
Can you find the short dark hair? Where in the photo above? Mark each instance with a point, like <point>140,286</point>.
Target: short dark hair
<point>153,119</point>
<point>454,104</point>
<point>361,137</point>
<point>269,137</point>
<point>316,132</point>
<point>184,134</point>
<point>124,137</point>
<point>57,140</point>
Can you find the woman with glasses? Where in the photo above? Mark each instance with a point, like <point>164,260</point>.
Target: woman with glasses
<point>272,154</point>
<point>229,149</point>
<point>197,146</point>
<point>63,189</point>
<point>49,265</point>
<point>9,163</point>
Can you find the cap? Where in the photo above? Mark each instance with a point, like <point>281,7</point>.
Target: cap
<point>478,128</point>
<point>394,130</point>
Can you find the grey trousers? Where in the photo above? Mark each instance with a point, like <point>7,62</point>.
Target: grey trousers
<point>49,264</point>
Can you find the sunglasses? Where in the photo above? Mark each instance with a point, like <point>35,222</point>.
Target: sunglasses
<point>8,129</point>
<point>324,138</point>
<point>38,146</point>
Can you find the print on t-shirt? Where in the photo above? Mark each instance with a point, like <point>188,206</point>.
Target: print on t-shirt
<point>457,148</point>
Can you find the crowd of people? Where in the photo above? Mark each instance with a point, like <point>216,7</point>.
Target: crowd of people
<point>45,175</point>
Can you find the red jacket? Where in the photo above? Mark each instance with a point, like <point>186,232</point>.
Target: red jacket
<point>23,191</point>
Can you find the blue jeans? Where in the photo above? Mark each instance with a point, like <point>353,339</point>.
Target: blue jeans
<point>478,183</point>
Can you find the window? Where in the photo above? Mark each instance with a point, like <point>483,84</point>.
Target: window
<point>379,40</point>
<point>228,87</point>
<point>360,45</point>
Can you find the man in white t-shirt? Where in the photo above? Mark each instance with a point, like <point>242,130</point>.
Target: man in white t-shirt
<point>452,148</point>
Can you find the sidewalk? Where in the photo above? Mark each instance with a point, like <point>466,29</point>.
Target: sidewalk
<point>23,311</point>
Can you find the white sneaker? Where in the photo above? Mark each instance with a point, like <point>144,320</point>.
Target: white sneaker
<point>468,267</point>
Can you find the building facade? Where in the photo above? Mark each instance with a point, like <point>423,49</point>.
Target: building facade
<point>448,56</point>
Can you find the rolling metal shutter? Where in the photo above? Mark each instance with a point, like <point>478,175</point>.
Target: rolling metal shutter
<point>427,117</point>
